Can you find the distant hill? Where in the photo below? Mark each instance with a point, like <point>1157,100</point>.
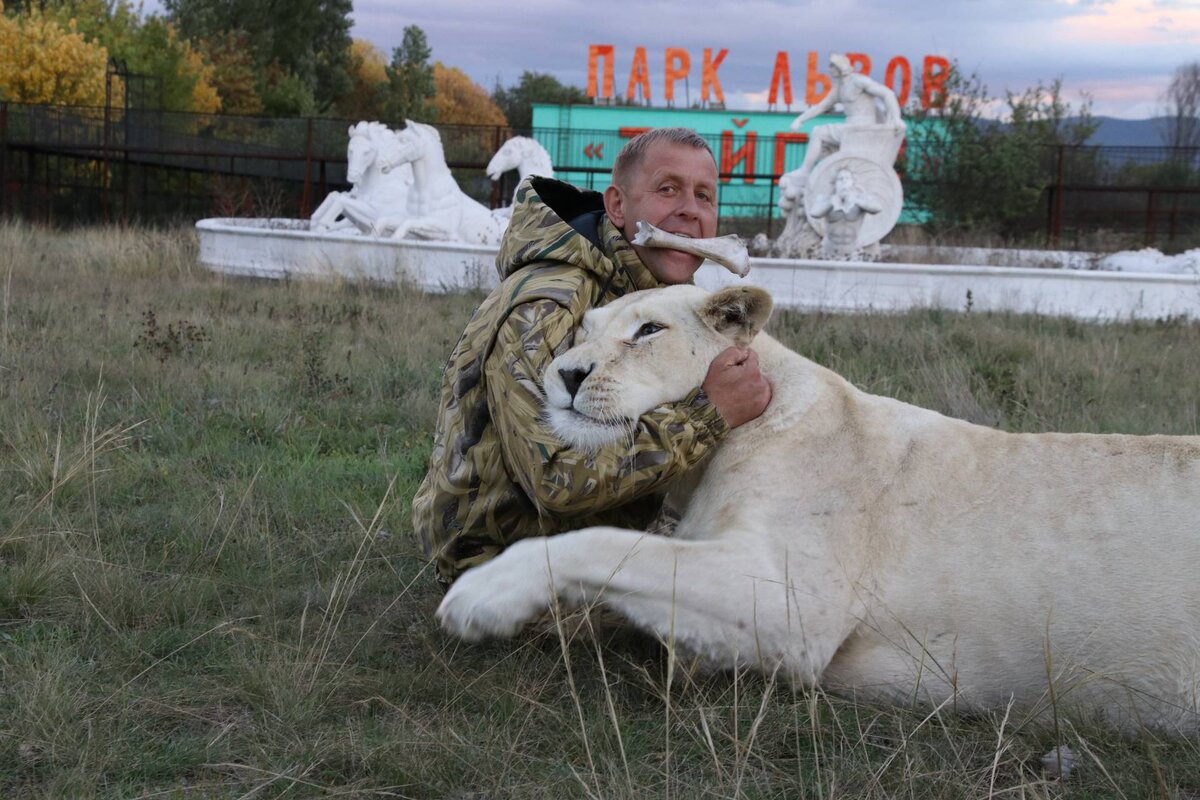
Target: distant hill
<point>1128,132</point>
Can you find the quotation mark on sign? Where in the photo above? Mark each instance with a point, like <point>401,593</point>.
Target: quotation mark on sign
<point>594,150</point>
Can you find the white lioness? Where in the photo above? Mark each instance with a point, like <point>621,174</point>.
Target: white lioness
<point>873,546</point>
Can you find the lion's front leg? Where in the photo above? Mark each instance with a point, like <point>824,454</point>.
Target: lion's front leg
<point>723,598</point>
<point>499,598</point>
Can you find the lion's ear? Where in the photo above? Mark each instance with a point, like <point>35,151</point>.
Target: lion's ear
<point>738,312</point>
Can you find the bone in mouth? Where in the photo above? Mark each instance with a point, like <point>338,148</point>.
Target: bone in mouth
<point>728,251</point>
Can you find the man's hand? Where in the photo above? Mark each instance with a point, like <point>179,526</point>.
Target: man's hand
<point>736,387</point>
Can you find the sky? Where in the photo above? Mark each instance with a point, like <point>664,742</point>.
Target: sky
<point>1121,53</point>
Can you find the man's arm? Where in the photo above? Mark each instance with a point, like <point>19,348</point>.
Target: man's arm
<point>566,481</point>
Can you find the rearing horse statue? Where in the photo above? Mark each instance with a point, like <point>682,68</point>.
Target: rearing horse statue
<point>374,194</point>
<point>526,156</point>
<point>437,207</point>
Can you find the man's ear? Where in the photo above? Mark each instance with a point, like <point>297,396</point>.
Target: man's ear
<point>614,206</point>
<point>738,312</point>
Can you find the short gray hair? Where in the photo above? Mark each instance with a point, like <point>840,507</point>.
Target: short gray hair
<point>634,151</point>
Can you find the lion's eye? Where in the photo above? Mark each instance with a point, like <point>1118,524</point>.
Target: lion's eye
<point>647,329</point>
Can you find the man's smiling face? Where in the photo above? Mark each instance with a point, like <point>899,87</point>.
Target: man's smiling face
<point>673,188</point>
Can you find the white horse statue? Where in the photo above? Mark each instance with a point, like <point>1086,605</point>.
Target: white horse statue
<point>437,208</point>
<point>526,156</point>
<point>374,193</point>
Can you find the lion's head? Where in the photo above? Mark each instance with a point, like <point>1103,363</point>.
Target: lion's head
<point>641,351</point>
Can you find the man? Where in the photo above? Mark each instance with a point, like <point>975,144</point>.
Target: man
<point>497,474</point>
<point>864,101</point>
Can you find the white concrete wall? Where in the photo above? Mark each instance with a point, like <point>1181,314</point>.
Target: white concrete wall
<point>284,248</point>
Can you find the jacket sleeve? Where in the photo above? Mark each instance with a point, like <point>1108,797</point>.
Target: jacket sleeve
<point>566,481</point>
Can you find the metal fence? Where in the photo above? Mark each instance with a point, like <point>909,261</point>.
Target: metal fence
<point>69,165</point>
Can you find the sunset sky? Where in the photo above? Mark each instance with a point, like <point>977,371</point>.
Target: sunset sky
<point>1121,52</point>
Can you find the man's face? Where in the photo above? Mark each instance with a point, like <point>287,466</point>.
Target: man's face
<point>674,188</point>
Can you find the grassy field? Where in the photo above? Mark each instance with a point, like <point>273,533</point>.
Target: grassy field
<point>209,586</point>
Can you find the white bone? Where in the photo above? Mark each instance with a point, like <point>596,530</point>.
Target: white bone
<point>728,251</point>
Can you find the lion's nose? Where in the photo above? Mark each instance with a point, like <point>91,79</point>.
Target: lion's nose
<point>573,378</point>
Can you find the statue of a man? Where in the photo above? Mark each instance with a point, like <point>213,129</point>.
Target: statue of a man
<point>865,103</point>
<point>843,211</point>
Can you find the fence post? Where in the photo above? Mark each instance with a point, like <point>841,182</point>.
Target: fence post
<point>1152,195</point>
<point>3,157</point>
<point>771,210</point>
<point>1056,198</point>
<point>105,174</point>
<point>1173,220</point>
<point>306,198</point>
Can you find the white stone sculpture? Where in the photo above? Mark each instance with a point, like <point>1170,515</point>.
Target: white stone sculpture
<point>866,144</point>
<point>526,156</point>
<point>847,215</point>
<point>374,194</point>
<point>437,208</point>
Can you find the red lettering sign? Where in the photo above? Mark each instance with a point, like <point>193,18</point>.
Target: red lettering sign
<point>899,64</point>
<point>933,81</point>
<point>595,53</point>
<point>781,74</point>
<point>744,154</point>
<point>678,65</point>
<point>708,78</point>
<point>782,140</point>
<point>639,75</point>
<point>818,83</point>
<point>898,75</point>
<point>860,62</point>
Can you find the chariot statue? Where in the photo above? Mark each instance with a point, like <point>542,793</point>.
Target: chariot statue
<point>860,153</point>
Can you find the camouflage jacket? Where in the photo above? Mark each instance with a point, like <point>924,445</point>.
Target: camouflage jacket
<point>497,474</point>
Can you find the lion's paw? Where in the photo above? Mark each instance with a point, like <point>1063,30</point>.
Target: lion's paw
<point>497,599</point>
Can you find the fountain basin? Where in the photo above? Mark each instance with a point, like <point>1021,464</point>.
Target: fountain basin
<point>286,248</point>
<point>280,248</point>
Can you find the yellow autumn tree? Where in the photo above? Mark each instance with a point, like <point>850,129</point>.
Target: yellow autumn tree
<point>461,101</point>
<point>369,79</point>
<point>205,97</point>
<point>234,74</point>
<point>152,47</point>
<point>43,62</point>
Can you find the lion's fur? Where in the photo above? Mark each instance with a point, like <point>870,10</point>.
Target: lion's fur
<point>878,548</point>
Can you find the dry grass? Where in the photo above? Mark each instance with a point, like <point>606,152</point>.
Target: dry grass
<point>209,588</point>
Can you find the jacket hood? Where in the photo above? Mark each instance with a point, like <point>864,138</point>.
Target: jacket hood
<point>553,221</point>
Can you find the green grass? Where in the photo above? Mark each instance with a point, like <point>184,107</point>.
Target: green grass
<point>209,586</point>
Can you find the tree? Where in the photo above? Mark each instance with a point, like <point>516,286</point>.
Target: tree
<point>534,87</point>
<point>1182,125</point>
<point>966,169</point>
<point>368,83</point>
<point>410,80</point>
<point>44,62</point>
<point>461,101</point>
<point>285,94</point>
<point>233,73</point>
<point>306,41</point>
<point>150,47</point>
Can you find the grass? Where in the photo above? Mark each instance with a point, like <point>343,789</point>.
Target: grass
<point>209,586</point>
